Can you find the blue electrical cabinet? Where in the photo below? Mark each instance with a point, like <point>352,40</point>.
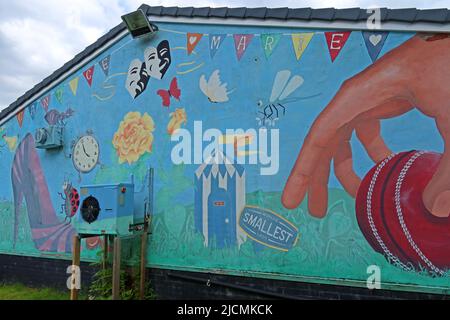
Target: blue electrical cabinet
<point>106,209</point>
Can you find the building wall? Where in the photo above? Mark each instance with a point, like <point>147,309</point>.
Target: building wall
<point>280,86</point>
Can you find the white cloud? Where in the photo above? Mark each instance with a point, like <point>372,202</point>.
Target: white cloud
<point>39,36</point>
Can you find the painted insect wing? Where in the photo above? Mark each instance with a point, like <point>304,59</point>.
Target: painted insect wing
<point>74,198</point>
<point>52,117</point>
<point>268,228</point>
<point>280,82</point>
<point>293,84</point>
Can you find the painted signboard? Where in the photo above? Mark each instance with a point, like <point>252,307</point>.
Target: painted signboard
<point>268,228</point>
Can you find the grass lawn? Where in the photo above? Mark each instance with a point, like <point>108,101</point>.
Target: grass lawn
<point>22,292</point>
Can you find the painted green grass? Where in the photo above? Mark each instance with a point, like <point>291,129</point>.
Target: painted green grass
<point>22,292</point>
<point>328,248</point>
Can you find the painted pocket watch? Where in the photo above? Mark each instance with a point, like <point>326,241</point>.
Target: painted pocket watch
<point>85,153</point>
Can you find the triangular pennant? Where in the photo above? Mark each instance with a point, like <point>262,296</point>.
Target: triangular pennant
<point>59,94</point>
<point>241,43</point>
<point>374,42</point>
<point>192,40</point>
<point>20,117</point>
<point>336,41</point>
<point>104,64</point>
<point>32,110</point>
<point>215,41</point>
<point>300,42</point>
<point>73,84</point>
<point>269,42</point>
<point>88,75</point>
<point>45,102</point>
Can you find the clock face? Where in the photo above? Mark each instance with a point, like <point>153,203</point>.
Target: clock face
<point>85,154</point>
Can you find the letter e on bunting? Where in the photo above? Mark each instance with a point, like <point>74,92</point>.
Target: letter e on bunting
<point>336,41</point>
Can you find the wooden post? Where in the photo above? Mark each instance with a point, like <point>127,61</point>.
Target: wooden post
<point>116,270</point>
<point>143,259</point>
<point>105,252</point>
<point>76,248</point>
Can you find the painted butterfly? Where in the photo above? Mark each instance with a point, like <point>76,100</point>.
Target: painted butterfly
<point>173,91</point>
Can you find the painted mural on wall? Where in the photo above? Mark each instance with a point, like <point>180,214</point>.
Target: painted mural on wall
<point>322,185</point>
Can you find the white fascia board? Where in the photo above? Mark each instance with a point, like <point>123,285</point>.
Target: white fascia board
<point>314,24</point>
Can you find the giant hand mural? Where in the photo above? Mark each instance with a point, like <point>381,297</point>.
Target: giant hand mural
<point>408,77</point>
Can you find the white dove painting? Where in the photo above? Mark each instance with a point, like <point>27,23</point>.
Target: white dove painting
<point>214,89</point>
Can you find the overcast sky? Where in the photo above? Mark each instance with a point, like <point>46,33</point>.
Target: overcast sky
<point>39,36</point>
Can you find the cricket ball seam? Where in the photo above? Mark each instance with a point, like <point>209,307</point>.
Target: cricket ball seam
<point>370,218</point>
<point>398,207</point>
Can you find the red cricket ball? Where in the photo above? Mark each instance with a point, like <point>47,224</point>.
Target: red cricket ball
<point>393,218</point>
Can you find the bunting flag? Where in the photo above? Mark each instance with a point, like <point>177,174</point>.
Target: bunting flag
<point>241,43</point>
<point>374,42</point>
<point>336,41</point>
<point>32,110</point>
<point>73,84</point>
<point>300,42</point>
<point>45,102</point>
<point>215,41</point>
<point>59,94</point>
<point>88,75</point>
<point>269,42</point>
<point>192,40</point>
<point>104,64</point>
<point>20,117</point>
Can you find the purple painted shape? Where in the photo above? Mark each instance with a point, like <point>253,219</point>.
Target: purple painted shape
<point>54,117</point>
<point>28,182</point>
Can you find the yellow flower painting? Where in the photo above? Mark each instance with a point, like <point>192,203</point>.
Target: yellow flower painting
<point>177,118</point>
<point>134,137</point>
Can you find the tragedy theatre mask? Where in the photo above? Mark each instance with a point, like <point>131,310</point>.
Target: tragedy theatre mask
<point>158,60</point>
<point>137,78</point>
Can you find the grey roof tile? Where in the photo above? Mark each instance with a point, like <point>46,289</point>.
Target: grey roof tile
<point>236,12</point>
<point>351,14</point>
<point>404,15</point>
<point>366,13</point>
<point>154,11</point>
<point>201,12</point>
<point>169,11</point>
<point>218,12</point>
<point>277,13</point>
<point>432,15</point>
<point>185,12</point>
<point>323,14</point>
<point>259,13</point>
<point>300,14</point>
